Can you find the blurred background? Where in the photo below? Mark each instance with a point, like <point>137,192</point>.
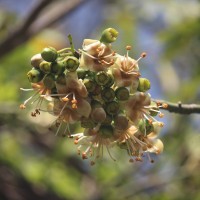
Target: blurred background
<point>34,164</point>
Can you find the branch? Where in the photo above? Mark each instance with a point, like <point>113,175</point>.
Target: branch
<point>179,107</point>
<point>32,24</point>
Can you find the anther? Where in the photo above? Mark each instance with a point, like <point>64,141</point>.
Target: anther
<point>131,160</point>
<point>128,47</point>
<point>164,105</point>
<point>143,55</point>
<point>84,156</point>
<point>22,106</point>
<point>65,99</point>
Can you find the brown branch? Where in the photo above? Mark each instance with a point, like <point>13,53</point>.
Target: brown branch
<point>179,107</point>
<point>32,25</point>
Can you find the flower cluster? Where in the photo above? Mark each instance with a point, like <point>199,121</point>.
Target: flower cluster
<point>102,91</point>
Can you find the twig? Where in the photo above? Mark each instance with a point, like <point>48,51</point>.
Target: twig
<point>179,107</point>
<point>31,25</point>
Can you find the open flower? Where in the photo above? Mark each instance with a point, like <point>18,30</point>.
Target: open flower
<point>139,144</point>
<point>92,142</point>
<point>126,70</point>
<point>41,93</point>
<point>96,56</point>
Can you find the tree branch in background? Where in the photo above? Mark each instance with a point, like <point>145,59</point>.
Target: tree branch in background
<point>180,108</point>
<point>29,27</point>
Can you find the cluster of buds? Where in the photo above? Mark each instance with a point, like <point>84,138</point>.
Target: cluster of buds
<point>102,91</point>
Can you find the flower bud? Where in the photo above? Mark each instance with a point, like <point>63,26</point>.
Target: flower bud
<point>108,94</point>
<point>101,78</point>
<point>98,114</point>
<point>122,93</point>
<point>144,85</point>
<point>109,35</point>
<point>71,63</point>
<point>89,84</point>
<point>49,54</point>
<point>35,75</point>
<point>106,131</point>
<point>81,73</point>
<point>87,123</point>
<point>121,122</point>
<point>45,67</point>
<point>112,108</point>
<point>97,90</point>
<point>110,81</point>
<point>57,68</point>
<point>61,79</point>
<point>36,60</point>
<point>49,81</point>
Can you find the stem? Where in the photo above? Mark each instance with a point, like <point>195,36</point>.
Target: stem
<point>71,43</point>
<point>179,107</point>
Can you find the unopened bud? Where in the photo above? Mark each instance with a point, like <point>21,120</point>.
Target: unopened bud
<point>36,60</point>
<point>49,54</point>
<point>101,78</point>
<point>109,35</point>
<point>144,85</point>
<point>122,93</point>
<point>71,63</point>
<point>112,108</point>
<point>108,94</point>
<point>35,75</point>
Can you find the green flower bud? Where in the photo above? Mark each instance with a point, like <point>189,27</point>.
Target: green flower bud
<point>89,84</point>
<point>36,60</point>
<point>81,73</point>
<point>49,54</point>
<point>110,81</point>
<point>87,123</point>
<point>106,131</point>
<point>145,127</point>
<point>49,81</point>
<point>35,75</point>
<point>57,68</point>
<point>97,90</point>
<point>144,85</point>
<point>108,94</point>
<point>121,122</point>
<point>61,79</point>
<point>112,108</point>
<point>71,63</point>
<point>45,67</point>
<point>109,35</point>
<point>101,78</point>
<point>122,93</point>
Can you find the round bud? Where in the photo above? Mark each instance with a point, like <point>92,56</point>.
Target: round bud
<point>144,85</point>
<point>81,73</point>
<point>61,79</point>
<point>98,114</point>
<point>87,123</point>
<point>110,81</point>
<point>45,67</point>
<point>35,75</point>
<point>112,108</point>
<point>122,93</point>
<point>108,94</point>
<point>36,60</point>
<point>49,54</point>
<point>101,78</point>
<point>109,35</point>
<point>89,84</point>
<point>97,90</point>
<point>106,131</point>
<point>57,68</point>
<point>49,81</point>
<point>121,122</point>
<point>71,63</point>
